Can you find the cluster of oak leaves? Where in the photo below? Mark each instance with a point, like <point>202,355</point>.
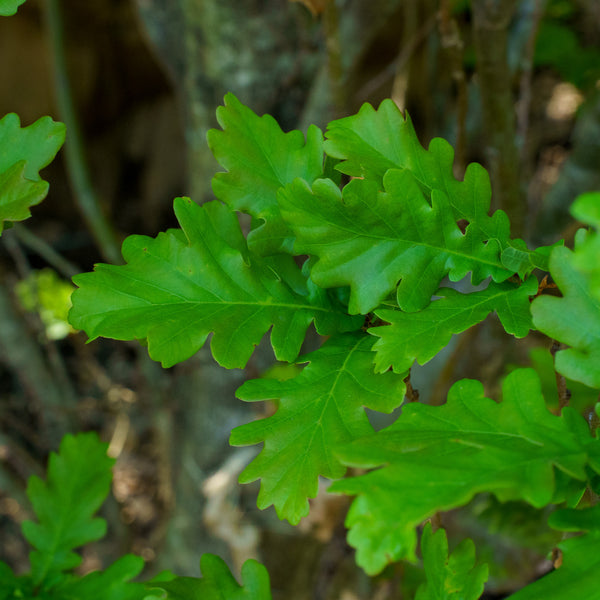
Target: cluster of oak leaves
<point>374,253</point>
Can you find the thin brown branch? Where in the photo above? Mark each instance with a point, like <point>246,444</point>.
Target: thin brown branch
<point>490,35</point>
<point>524,104</point>
<point>395,67</point>
<point>412,394</point>
<point>564,394</point>
<point>453,46</point>
<point>77,166</point>
<point>333,43</point>
<point>44,250</point>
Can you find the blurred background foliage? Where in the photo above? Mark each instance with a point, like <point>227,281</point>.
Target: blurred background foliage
<point>512,84</point>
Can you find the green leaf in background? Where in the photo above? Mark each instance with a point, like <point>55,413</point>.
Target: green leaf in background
<point>374,141</point>
<point>573,319</point>
<point>558,46</point>
<point>261,158</point>
<point>369,240</point>
<point>47,294</point>
<point>582,519</point>
<point>11,586</point>
<point>114,583</point>
<point>318,410</point>
<point>576,577</point>
<point>9,7</point>
<point>449,577</point>
<point>421,335</point>
<point>23,152</point>
<point>78,482</point>
<point>438,458</point>
<point>586,209</point>
<point>217,582</point>
<point>184,284</point>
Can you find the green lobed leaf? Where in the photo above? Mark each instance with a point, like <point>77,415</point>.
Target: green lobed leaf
<point>318,410</point>
<point>577,577</point>
<point>421,335</point>
<point>586,209</point>
<point>114,583</point>
<point>9,7</point>
<point>184,284</point>
<point>77,483</point>
<point>9,583</point>
<point>573,319</point>
<point>583,519</point>
<point>374,141</point>
<point>438,458</point>
<point>370,240</point>
<point>449,577</point>
<point>261,158</point>
<point>23,152</point>
<point>217,582</point>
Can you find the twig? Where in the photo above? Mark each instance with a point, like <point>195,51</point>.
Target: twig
<point>412,394</point>
<point>56,363</point>
<point>43,249</point>
<point>564,394</point>
<point>453,45</point>
<point>593,419</point>
<point>436,521</point>
<point>398,63</point>
<point>334,57</point>
<point>77,167</point>
<point>490,34</point>
<point>524,103</point>
<point>442,384</point>
<point>23,356</point>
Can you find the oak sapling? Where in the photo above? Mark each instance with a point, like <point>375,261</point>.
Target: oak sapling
<point>374,251</point>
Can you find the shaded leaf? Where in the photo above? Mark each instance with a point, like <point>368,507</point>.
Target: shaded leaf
<point>421,335</point>
<point>10,585</point>
<point>449,577</point>
<point>318,410</point>
<point>586,209</point>
<point>370,240</point>
<point>184,284</point>
<point>23,152</point>
<point>77,483</point>
<point>218,583</point>
<point>583,519</point>
<point>437,458</point>
<point>577,576</point>
<point>573,319</point>
<point>374,141</point>
<point>261,158</point>
<point>114,583</point>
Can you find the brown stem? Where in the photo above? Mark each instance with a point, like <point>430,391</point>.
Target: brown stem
<point>490,32</point>
<point>43,249</point>
<point>526,77</point>
<point>77,167</point>
<point>334,58</point>
<point>444,380</point>
<point>453,46</point>
<point>412,394</point>
<point>23,355</point>
<point>436,521</point>
<point>564,394</point>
